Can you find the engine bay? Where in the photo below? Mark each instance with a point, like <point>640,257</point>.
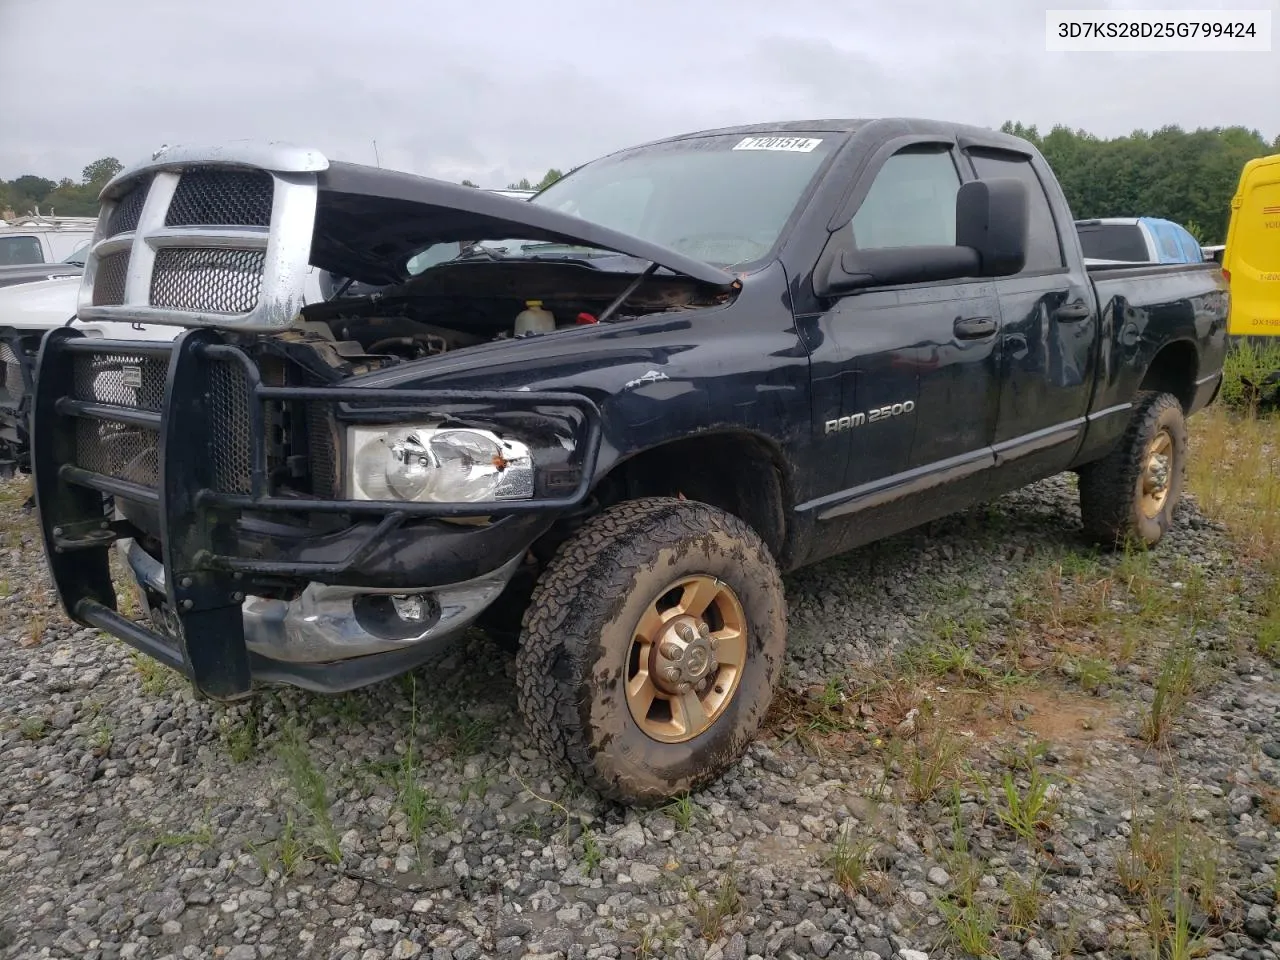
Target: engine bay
<point>460,305</point>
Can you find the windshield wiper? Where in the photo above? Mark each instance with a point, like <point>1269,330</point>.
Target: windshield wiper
<point>477,250</point>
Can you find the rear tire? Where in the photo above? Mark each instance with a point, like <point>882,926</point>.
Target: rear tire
<point>1130,494</point>
<point>619,679</point>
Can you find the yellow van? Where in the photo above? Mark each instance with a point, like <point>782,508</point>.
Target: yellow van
<point>1252,258</point>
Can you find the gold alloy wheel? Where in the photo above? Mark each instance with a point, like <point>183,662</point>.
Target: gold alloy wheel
<point>1157,471</point>
<point>686,658</point>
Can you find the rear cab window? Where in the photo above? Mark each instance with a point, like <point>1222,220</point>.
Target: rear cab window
<point>1113,241</point>
<point>1044,247</point>
<point>20,250</point>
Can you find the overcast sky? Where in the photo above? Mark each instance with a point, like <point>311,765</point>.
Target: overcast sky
<point>496,90</point>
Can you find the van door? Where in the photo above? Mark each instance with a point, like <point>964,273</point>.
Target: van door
<point>1252,258</point>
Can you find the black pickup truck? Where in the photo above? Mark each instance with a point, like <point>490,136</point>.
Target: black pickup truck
<point>624,408</point>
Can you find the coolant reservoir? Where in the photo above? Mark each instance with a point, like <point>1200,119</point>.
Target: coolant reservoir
<point>534,319</point>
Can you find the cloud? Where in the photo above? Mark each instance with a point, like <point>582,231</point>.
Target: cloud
<point>496,91</point>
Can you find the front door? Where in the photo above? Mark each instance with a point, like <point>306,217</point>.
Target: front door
<point>905,377</point>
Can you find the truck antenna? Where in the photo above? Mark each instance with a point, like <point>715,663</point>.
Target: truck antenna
<point>375,154</point>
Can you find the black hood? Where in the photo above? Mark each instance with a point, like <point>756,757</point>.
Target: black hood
<point>370,221</point>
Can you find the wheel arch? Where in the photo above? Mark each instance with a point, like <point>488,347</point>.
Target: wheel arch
<point>1173,369</point>
<point>738,470</point>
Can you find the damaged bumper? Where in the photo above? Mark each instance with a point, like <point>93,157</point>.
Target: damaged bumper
<point>230,512</point>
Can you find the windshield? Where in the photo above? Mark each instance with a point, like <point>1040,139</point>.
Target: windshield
<point>77,256</point>
<point>721,199</point>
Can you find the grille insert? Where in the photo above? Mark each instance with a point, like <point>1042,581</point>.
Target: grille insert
<point>128,209</point>
<point>210,280</point>
<point>12,387</point>
<point>108,281</point>
<point>221,198</point>
<point>134,382</point>
<point>229,418</point>
<point>119,450</point>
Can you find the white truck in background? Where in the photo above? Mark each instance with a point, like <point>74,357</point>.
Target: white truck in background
<point>28,310</point>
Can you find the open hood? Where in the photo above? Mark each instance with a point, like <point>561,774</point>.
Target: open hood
<point>370,221</point>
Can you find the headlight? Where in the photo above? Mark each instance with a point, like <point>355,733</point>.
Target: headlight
<point>433,464</point>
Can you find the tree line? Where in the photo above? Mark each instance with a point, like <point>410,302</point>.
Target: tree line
<point>1188,177</point>
<point>1184,176</point>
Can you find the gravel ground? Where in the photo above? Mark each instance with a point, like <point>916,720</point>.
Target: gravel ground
<point>414,819</point>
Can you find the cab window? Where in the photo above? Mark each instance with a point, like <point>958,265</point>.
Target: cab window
<point>911,203</point>
<point>16,251</point>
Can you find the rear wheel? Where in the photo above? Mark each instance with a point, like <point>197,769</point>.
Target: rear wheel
<point>1130,494</point>
<point>651,647</point>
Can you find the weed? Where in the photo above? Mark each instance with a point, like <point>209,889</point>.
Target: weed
<point>1244,368</point>
<point>1174,686</point>
<point>849,861</point>
<point>241,738</point>
<point>311,790</point>
<point>156,677</point>
<point>1094,674</point>
<point>418,803</point>
<point>930,761</point>
<point>1026,813</point>
<point>102,739</point>
<point>35,632</point>
<point>1147,857</point>
<point>970,925</point>
<point>682,811</point>
<point>711,913</point>
<point>591,852</point>
<point>806,717</point>
<point>200,836</point>
<point>33,728</point>
<point>1024,900</point>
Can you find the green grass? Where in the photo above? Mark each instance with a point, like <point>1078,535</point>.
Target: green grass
<point>1175,684</point>
<point>311,790</point>
<point>711,913</point>
<point>1247,361</point>
<point>849,861</point>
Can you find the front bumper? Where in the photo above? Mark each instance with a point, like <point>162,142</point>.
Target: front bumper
<point>246,576</point>
<point>328,623</point>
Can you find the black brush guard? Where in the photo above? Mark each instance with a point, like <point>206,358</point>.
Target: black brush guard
<point>204,578</point>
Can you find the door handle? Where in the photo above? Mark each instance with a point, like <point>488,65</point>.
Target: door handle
<point>974,328</point>
<point>1070,312</point>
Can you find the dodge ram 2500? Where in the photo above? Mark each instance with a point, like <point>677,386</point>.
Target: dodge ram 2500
<point>700,363</point>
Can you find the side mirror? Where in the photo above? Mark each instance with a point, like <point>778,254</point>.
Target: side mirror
<point>992,219</point>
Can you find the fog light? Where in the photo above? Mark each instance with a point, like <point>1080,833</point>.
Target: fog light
<point>396,616</point>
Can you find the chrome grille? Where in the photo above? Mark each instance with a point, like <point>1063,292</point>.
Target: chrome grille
<point>108,281</point>
<point>210,279</point>
<point>215,198</point>
<point>128,209</point>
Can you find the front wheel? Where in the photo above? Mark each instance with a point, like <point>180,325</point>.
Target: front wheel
<point>1130,494</point>
<point>651,648</point>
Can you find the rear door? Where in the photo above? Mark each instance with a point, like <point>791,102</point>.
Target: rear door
<point>1048,336</point>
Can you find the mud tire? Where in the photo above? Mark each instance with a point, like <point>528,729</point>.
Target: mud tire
<point>1111,498</point>
<point>577,637</point>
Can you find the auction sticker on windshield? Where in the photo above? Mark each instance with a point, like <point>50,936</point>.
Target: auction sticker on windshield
<point>789,144</point>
